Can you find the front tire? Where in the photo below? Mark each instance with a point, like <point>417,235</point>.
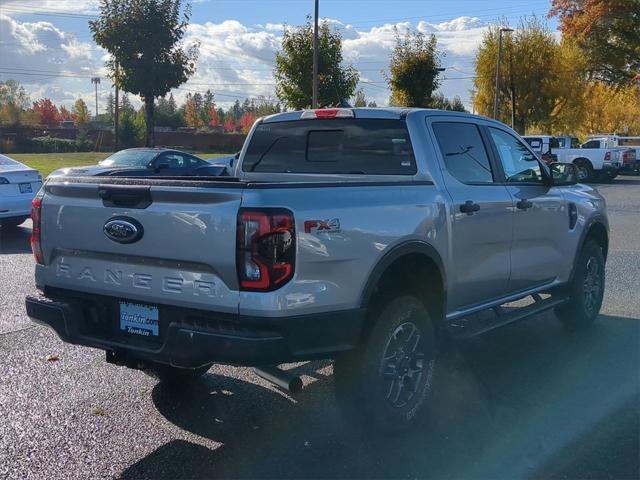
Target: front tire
<point>586,290</point>
<point>585,170</point>
<point>388,379</point>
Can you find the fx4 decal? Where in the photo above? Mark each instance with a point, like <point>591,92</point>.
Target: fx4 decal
<point>320,226</point>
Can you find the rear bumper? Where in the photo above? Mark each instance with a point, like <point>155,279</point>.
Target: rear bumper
<point>192,338</point>
<point>17,206</point>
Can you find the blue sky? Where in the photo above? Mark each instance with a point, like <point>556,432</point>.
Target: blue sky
<point>46,44</point>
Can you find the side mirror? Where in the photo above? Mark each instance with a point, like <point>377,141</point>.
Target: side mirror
<point>563,174</point>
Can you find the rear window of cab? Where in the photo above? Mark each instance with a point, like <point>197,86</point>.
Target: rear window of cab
<point>331,146</point>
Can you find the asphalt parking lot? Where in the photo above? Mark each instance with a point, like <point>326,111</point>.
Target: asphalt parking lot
<point>529,400</point>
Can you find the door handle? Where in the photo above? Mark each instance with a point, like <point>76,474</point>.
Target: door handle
<point>469,207</point>
<point>524,204</point>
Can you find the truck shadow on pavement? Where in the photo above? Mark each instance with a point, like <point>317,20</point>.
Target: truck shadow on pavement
<point>504,406</point>
<point>14,240</point>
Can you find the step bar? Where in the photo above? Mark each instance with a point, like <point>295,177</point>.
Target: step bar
<point>470,328</point>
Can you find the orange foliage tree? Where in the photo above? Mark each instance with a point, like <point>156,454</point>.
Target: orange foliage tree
<point>246,121</point>
<point>47,112</point>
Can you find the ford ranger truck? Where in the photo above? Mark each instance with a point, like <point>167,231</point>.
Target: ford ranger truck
<point>366,236</point>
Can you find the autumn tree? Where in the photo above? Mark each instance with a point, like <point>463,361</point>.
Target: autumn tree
<point>413,68</point>
<point>294,62</point>
<point>229,125</point>
<point>144,39</point>
<point>608,32</point>
<point>80,113</point>
<point>246,122</point>
<point>213,117</point>
<point>64,114</point>
<point>47,111</point>
<point>192,116</point>
<point>530,73</point>
<point>610,109</point>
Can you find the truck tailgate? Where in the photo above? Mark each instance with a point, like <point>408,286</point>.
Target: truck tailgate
<point>184,256</point>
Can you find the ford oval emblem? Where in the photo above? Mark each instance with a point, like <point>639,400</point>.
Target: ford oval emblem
<point>123,230</point>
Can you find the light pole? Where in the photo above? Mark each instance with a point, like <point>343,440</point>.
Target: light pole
<point>497,92</point>
<point>314,98</point>
<point>96,81</point>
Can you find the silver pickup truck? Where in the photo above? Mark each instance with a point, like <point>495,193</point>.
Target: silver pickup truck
<point>362,235</point>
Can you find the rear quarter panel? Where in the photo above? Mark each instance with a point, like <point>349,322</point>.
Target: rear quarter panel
<point>332,268</point>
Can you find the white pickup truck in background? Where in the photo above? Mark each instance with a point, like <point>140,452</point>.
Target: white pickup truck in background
<point>595,159</point>
<point>613,140</point>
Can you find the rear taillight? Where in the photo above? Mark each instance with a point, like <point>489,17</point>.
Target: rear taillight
<point>607,157</point>
<point>265,249</point>
<point>36,218</point>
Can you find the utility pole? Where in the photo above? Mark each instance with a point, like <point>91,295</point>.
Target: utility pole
<point>497,92</point>
<point>96,82</point>
<point>314,101</point>
<point>116,113</point>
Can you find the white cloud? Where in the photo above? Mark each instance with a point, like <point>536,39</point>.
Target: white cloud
<point>235,60</point>
<point>25,7</point>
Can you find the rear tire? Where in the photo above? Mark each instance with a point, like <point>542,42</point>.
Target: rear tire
<point>387,381</point>
<point>585,170</point>
<point>586,290</point>
<point>175,377</point>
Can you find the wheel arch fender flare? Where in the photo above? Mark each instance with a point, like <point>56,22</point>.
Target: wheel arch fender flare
<point>396,253</point>
<point>596,223</point>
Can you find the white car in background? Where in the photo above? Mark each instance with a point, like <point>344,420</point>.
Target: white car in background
<point>18,185</point>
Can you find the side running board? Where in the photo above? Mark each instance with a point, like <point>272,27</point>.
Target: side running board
<point>483,322</point>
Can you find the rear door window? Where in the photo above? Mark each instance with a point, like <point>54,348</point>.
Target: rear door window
<point>464,153</point>
<point>335,146</point>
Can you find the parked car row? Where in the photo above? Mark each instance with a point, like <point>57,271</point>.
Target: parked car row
<point>597,158</point>
<point>20,183</point>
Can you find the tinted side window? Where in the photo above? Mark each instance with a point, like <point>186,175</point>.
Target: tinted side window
<point>463,150</point>
<point>173,160</point>
<point>592,144</point>
<point>337,146</point>
<point>519,164</point>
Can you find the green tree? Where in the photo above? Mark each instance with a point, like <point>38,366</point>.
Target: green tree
<point>144,40</point>
<point>208,102</point>
<point>266,106</point>
<point>413,67</point>
<point>125,105</point>
<point>294,65</point>
<point>81,113</point>
<point>443,103</point>
<point>608,32</point>
<point>111,106</point>
<point>14,100</point>
<point>128,130</point>
<point>360,100</point>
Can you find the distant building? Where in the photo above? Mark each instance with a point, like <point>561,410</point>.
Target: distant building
<point>67,124</point>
